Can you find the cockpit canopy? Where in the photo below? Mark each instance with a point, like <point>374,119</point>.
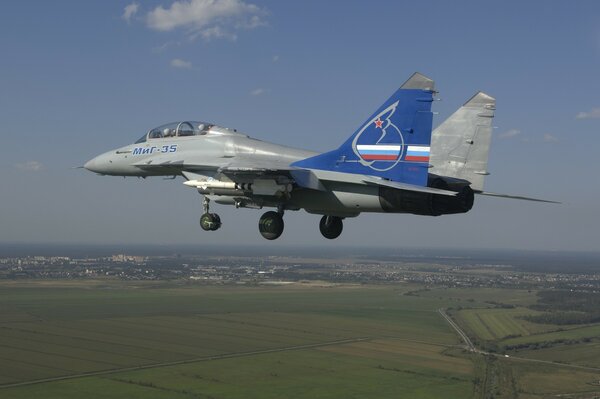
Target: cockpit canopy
<point>177,129</point>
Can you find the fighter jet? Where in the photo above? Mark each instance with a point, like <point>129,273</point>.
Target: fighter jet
<point>392,163</point>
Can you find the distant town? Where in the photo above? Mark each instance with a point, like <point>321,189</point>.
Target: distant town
<point>283,269</point>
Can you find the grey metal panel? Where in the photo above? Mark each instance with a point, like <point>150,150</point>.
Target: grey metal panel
<point>460,145</point>
<point>361,180</point>
<point>419,81</point>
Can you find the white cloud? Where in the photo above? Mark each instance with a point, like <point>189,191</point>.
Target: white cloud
<point>549,138</point>
<point>207,18</point>
<point>509,134</point>
<point>30,166</point>
<point>214,32</point>
<point>254,22</point>
<point>593,114</point>
<point>258,92</point>
<point>179,63</point>
<point>129,11</point>
<point>165,46</point>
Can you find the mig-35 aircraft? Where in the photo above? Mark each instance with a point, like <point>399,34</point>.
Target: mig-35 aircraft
<point>393,163</point>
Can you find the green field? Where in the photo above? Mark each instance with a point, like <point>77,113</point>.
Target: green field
<point>496,324</point>
<point>584,354</point>
<point>367,369</point>
<point>481,297</point>
<point>578,333</point>
<point>106,339</point>
<point>225,342</point>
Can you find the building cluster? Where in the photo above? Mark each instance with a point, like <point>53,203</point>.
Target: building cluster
<point>251,270</point>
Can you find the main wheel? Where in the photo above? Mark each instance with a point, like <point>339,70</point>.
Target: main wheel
<point>270,225</point>
<point>210,222</point>
<point>331,226</point>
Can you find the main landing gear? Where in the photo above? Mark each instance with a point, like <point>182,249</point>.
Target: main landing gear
<point>271,224</point>
<point>209,221</point>
<point>331,226</point>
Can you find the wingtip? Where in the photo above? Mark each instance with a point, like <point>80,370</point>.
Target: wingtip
<point>419,81</point>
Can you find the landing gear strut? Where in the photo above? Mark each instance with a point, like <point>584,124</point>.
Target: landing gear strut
<point>270,225</point>
<point>331,226</point>
<point>209,221</point>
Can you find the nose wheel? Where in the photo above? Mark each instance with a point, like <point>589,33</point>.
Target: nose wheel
<point>331,226</point>
<point>270,225</point>
<point>209,221</point>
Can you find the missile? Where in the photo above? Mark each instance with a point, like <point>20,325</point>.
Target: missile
<point>211,184</point>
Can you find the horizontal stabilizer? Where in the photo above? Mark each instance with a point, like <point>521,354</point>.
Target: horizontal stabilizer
<point>314,178</point>
<point>518,197</point>
<point>407,187</point>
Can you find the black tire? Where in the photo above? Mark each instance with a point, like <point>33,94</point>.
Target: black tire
<point>210,222</point>
<point>271,225</point>
<point>217,222</point>
<point>331,227</point>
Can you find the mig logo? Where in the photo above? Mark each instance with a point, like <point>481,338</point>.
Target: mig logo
<point>154,150</point>
<point>379,144</point>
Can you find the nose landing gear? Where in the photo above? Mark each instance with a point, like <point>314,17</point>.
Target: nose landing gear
<point>209,221</point>
<point>331,226</point>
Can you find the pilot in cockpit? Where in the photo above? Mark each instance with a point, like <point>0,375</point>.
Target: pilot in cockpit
<point>168,132</point>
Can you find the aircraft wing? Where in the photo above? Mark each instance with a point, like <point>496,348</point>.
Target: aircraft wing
<point>306,178</point>
<point>243,165</point>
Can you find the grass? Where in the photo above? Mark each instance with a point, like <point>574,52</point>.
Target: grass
<point>481,297</point>
<point>585,354</point>
<point>408,349</point>
<point>592,331</point>
<point>344,371</point>
<point>74,328</point>
<point>553,382</point>
<point>496,324</point>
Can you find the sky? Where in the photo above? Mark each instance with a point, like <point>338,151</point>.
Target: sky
<point>81,78</point>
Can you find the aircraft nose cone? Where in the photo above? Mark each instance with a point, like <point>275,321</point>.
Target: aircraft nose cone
<point>89,165</point>
<point>92,165</point>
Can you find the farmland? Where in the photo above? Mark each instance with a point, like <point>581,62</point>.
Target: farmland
<point>104,338</point>
<point>162,340</point>
<point>496,324</point>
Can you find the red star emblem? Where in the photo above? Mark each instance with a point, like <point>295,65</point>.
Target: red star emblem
<point>378,123</point>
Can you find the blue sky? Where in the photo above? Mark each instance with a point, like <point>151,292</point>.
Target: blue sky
<point>79,78</point>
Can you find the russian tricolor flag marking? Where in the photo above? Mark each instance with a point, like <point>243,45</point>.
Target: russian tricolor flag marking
<point>417,153</point>
<point>379,152</point>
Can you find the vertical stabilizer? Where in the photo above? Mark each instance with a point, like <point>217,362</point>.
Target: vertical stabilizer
<point>393,143</point>
<point>460,146</point>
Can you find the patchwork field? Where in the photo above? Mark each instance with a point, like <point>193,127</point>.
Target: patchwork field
<point>482,297</point>
<point>155,341</point>
<point>331,372</point>
<point>106,339</point>
<point>496,324</point>
<point>578,333</point>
